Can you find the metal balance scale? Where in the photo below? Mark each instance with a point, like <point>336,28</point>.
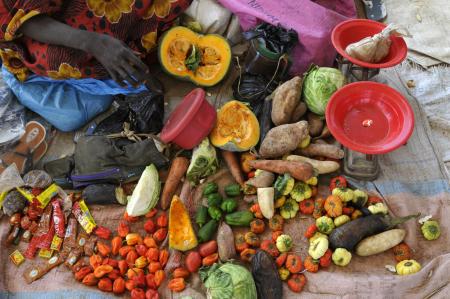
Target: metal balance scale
<point>367,118</point>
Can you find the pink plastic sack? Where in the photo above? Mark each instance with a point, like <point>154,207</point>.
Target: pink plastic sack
<point>313,21</point>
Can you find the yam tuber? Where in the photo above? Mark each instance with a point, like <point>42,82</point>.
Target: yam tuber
<point>315,124</point>
<point>299,111</point>
<point>285,101</point>
<point>322,150</point>
<point>283,139</point>
<point>298,170</point>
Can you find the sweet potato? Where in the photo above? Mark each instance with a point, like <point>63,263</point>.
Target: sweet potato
<point>321,167</point>
<point>177,171</point>
<point>285,100</point>
<point>233,165</point>
<point>315,124</point>
<point>299,111</point>
<point>298,170</point>
<point>325,133</point>
<point>283,139</point>
<point>262,180</point>
<point>322,150</point>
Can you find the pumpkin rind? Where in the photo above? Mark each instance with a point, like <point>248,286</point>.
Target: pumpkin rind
<point>175,46</point>
<point>236,128</point>
<point>181,234</point>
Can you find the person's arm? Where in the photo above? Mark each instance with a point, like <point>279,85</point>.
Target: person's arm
<point>113,54</point>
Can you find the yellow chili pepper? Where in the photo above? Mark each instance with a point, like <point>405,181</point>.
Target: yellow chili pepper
<point>141,262</point>
<point>133,239</point>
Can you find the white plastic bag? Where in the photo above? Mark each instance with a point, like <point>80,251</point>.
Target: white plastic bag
<point>214,18</point>
<point>12,117</point>
<point>375,48</point>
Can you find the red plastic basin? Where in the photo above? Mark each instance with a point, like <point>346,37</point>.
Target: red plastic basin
<point>352,31</point>
<point>369,117</point>
<point>190,122</point>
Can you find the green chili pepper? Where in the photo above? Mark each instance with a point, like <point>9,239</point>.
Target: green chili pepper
<point>229,205</point>
<point>210,188</point>
<point>214,200</point>
<point>215,213</point>
<point>201,217</point>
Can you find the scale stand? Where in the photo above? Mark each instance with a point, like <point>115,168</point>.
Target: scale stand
<point>359,165</point>
<point>358,73</point>
<point>353,72</point>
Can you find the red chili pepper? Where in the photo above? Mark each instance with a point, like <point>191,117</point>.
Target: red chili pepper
<point>311,230</point>
<point>149,226</point>
<point>129,218</point>
<point>338,182</point>
<point>102,232</point>
<point>151,213</point>
<point>162,220</point>
<point>123,229</point>
<point>140,279</point>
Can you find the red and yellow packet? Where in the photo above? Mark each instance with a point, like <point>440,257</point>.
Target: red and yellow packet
<point>84,217</point>
<point>16,257</point>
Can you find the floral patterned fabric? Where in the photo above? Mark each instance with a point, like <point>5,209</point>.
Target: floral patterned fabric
<point>135,22</point>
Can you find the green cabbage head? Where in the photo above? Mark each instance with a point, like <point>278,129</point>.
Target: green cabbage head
<point>320,83</point>
<point>228,281</point>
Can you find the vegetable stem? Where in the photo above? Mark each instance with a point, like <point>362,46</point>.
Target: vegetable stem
<point>400,220</point>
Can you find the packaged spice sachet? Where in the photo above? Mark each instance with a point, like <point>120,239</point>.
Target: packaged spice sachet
<point>375,48</point>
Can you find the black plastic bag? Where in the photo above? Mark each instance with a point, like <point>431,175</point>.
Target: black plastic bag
<point>275,38</point>
<point>253,89</point>
<point>144,112</point>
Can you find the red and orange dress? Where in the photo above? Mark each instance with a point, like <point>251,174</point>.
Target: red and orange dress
<point>135,22</point>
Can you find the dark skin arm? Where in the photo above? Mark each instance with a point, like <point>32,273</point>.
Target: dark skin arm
<point>119,60</point>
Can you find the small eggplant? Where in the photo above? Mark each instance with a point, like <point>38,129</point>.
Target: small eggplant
<point>265,274</point>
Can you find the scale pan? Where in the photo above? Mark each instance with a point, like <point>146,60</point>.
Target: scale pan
<point>369,117</point>
<point>352,31</point>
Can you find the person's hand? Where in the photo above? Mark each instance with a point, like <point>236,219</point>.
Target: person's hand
<point>119,60</point>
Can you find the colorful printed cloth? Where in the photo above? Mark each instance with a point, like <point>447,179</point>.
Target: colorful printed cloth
<point>135,22</point>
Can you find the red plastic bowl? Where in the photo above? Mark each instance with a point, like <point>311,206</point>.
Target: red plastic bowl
<point>352,31</point>
<point>369,117</point>
<point>190,122</point>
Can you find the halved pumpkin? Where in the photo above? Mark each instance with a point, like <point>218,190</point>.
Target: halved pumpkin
<point>181,234</point>
<point>236,128</point>
<point>202,59</point>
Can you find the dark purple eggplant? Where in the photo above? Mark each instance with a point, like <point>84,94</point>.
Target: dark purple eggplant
<point>351,233</point>
<point>265,274</point>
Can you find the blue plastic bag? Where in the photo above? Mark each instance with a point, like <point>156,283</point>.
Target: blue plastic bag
<point>66,104</point>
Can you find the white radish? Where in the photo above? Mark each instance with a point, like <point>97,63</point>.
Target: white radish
<point>380,242</point>
<point>266,198</point>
